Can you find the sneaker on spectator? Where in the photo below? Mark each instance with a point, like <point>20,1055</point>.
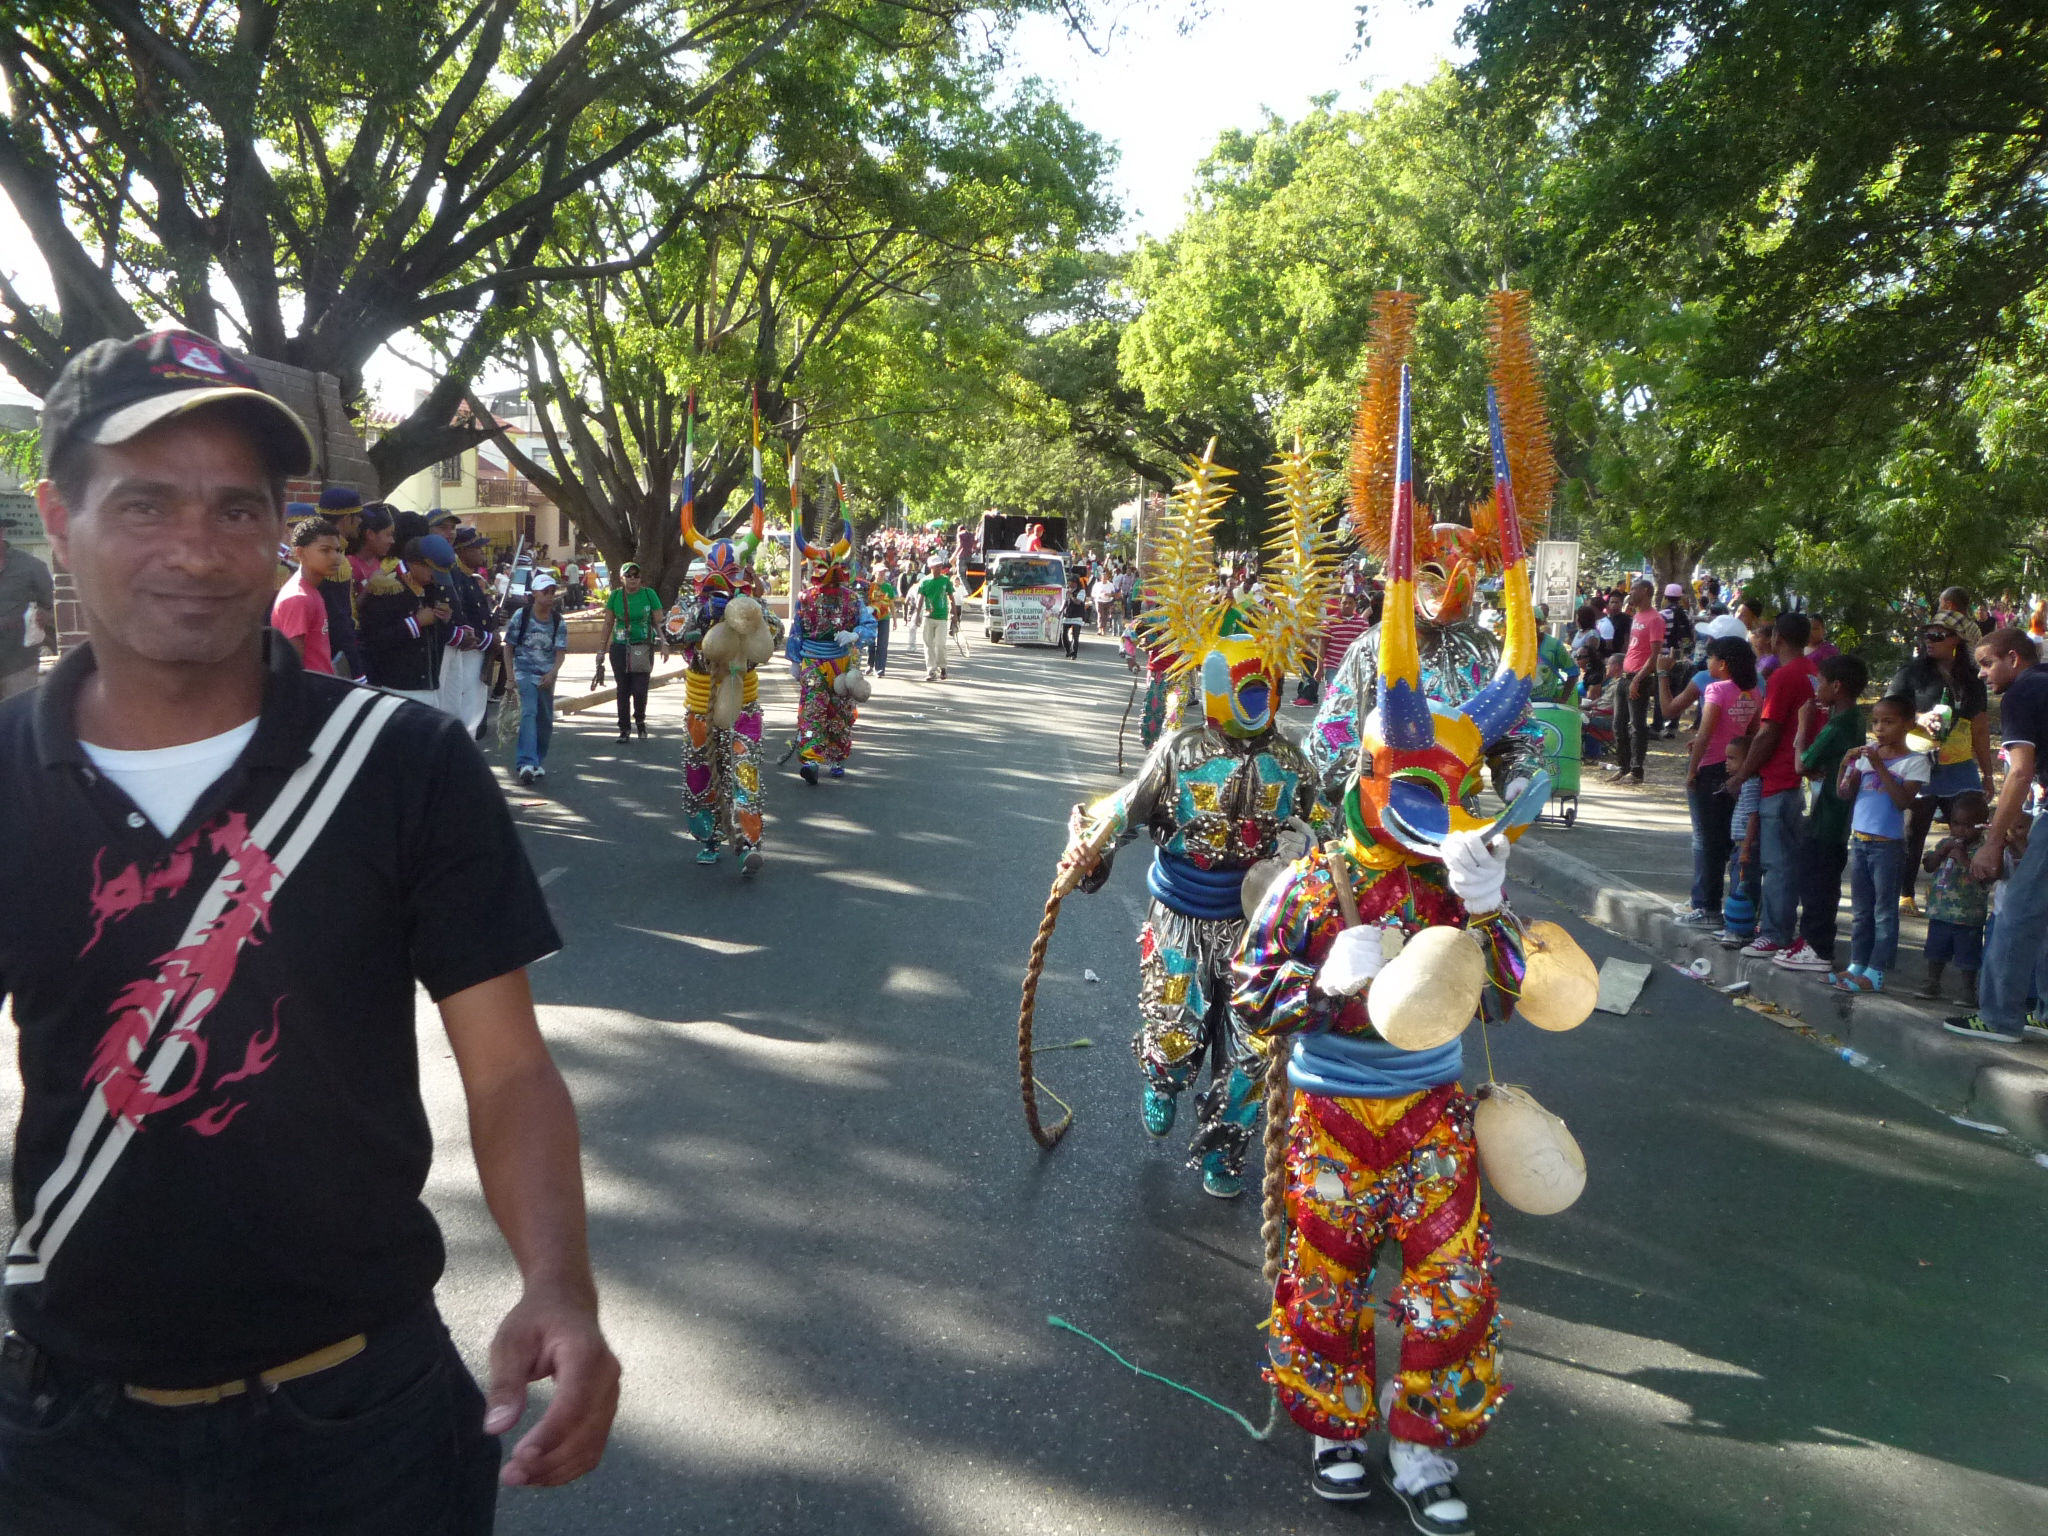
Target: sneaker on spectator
<point>1762,948</point>
<point>2036,1027</point>
<point>1728,939</point>
<point>1972,1026</point>
<point>1696,917</point>
<point>1800,957</point>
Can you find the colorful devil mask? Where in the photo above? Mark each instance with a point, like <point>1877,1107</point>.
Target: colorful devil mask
<point>831,559</point>
<point>1239,686</point>
<point>1419,761</point>
<point>1241,651</point>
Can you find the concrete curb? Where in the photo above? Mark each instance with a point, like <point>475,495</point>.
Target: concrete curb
<point>1999,1084</point>
<point>584,701</point>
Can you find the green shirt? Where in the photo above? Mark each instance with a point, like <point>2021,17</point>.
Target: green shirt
<point>936,593</point>
<point>1822,762</point>
<point>635,614</point>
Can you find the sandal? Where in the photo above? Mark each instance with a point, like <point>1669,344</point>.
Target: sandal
<point>1850,981</point>
<point>1340,1471</point>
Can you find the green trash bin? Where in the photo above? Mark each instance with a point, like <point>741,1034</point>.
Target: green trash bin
<point>1559,727</point>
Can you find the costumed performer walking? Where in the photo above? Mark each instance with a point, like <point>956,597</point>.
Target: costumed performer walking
<point>1214,797</point>
<point>831,623</point>
<point>1379,1138</point>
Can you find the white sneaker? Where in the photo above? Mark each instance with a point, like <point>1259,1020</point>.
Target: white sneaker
<point>1801,957</point>
<point>1338,1470</point>
<point>1761,948</point>
<point>1422,1479</point>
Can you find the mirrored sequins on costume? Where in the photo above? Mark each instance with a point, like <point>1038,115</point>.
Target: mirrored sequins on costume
<point>1360,1172</point>
<point>825,719</point>
<point>1213,806</point>
<point>722,790</point>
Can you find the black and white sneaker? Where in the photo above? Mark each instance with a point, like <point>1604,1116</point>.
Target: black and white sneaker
<point>526,776</point>
<point>1421,1477</point>
<point>1340,1472</point>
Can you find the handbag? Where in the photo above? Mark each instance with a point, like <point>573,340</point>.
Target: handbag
<point>640,658</point>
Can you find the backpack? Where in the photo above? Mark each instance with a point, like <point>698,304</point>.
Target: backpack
<point>523,619</point>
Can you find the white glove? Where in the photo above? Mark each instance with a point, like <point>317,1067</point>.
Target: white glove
<point>845,636</point>
<point>1477,872</point>
<point>1354,959</point>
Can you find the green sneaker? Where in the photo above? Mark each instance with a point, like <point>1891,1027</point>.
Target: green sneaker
<point>2036,1027</point>
<point>1158,1110</point>
<point>708,854</point>
<point>1219,1180</point>
<point>1972,1026</point>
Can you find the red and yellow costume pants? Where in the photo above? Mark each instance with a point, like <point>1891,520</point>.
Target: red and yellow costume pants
<point>1360,1171</point>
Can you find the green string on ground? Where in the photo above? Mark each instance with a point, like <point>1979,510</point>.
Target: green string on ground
<point>1081,1044</point>
<point>1272,1414</point>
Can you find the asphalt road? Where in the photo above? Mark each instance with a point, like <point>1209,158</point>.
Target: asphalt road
<point>1791,1298</point>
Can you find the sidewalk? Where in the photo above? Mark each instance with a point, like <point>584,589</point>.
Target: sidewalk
<point>1627,864</point>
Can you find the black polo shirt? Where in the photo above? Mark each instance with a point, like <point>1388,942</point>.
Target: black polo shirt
<point>222,1143</point>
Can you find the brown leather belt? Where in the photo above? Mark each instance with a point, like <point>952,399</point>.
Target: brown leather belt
<point>292,1370</point>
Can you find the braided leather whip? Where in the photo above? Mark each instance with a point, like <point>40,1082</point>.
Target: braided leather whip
<point>1073,870</point>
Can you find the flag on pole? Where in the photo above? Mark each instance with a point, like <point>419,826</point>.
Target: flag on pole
<point>760,485</point>
<point>689,469</point>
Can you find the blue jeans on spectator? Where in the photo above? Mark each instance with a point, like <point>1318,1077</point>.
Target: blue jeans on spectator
<point>2013,948</point>
<point>1782,845</point>
<point>536,723</point>
<point>388,1443</point>
<point>878,653</point>
<point>1712,815</point>
<point>1875,864</point>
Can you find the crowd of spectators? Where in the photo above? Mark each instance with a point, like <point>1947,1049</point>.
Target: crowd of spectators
<point>1797,780</point>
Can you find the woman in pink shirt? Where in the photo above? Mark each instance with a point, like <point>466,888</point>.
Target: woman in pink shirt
<point>1727,711</point>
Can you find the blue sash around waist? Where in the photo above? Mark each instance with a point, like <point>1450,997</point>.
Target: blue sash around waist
<point>1364,1067</point>
<point>1192,891</point>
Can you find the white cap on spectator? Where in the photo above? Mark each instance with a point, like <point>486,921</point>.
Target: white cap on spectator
<point>543,582</point>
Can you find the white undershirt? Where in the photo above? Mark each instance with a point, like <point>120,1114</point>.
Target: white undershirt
<point>166,783</point>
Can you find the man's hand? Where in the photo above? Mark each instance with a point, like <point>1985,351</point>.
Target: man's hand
<point>1988,864</point>
<point>552,1334</point>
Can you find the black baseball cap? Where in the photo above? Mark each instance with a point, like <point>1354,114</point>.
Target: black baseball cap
<point>117,390</point>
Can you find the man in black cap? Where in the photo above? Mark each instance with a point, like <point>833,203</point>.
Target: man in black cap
<point>342,506</point>
<point>406,616</point>
<point>220,1281</point>
<point>470,636</point>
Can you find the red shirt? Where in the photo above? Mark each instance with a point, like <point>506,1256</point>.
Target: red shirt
<point>300,614</point>
<point>1338,636</point>
<point>1790,690</point>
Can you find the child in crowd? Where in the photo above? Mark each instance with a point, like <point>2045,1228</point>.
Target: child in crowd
<point>1841,683</point>
<point>1957,906</point>
<point>1726,688</point>
<point>1745,868</point>
<point>1880,779</point>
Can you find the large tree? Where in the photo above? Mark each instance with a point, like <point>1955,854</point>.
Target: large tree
<point>839,224</point>
<point>315,179</point>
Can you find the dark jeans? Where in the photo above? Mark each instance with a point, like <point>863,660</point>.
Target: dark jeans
<point>1070,637</point>
<point>878,653</point>
<point>1820,894</point>
<point>1631,728</point>
<point>632,690</point>
<point>1712,815</point>
<point>390,1443</point>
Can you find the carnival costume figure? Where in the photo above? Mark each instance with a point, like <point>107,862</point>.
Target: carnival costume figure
<point>824,644</point>
<point>725,635</point>
<point>1214,796</point>
<point>1457,654</point>
<point>1377,1141</point>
